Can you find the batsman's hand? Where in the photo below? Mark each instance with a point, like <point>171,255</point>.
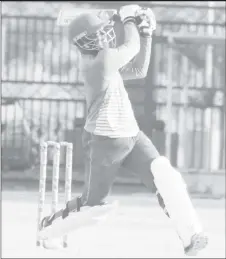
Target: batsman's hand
<point>128,12</point>
<point>146,21</point>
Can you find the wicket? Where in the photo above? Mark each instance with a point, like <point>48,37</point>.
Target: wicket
<point>55,180</point>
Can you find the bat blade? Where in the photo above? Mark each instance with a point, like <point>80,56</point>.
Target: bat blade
<point>66,16</point>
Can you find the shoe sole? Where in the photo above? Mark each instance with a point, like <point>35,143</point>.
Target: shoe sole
<point>199,242</point>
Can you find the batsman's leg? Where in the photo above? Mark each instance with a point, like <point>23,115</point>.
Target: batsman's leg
<point>157,173</point>
<point>173,190</point>
<point>103,157</point>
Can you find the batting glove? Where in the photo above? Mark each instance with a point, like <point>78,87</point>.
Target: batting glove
<point>128,12</point>
<point>146,21</point>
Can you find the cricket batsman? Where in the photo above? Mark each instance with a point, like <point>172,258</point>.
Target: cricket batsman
<point>112,138</point>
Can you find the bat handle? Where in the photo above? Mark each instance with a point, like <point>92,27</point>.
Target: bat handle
<point>116,18</point>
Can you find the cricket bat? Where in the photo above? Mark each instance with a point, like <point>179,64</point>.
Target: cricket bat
<point>66,16</point>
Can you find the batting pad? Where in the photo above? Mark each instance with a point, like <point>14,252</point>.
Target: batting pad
<point>172,189</point>
<point>66,16</point>
<point>87,216</point>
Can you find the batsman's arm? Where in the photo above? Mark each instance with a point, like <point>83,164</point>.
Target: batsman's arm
<point>138,67</point>
<point>115,59</point>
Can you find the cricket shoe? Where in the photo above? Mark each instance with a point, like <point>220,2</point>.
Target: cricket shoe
<point>49,243</point>
<point>198,242</point>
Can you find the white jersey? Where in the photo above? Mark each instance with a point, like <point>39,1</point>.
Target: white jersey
<point>110,111</point>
